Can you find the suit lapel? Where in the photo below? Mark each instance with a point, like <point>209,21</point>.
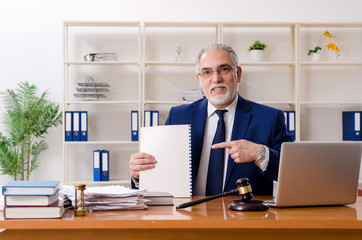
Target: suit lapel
<point>241,123</point>
<point>198,118</point>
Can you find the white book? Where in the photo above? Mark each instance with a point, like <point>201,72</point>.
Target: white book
<point>171,147</point>
<point>31,200</point>
<point>55,210</point>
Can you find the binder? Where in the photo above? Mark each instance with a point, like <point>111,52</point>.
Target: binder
<point>134,125</point>
<point>155,118</point>
<point>76,126</point>
<point>105,165</point>
<point>97,163</point>
<point>147,118</point>
<point>351,125</point>
<point>290,123</point>
<point>84,126</point>
<point>68,126</point>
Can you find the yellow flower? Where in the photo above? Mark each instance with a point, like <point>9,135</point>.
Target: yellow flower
<point>320,44</point>
<point>327,34</point>
<point>332,46</point>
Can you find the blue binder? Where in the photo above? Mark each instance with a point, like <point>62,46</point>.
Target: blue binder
<point>290,122</point>
<point>105,165</point>
<point>76,126</point>
<point>97,164</point>
<point>147,118</point>
<point>68,125</point>
<point>84,126</point>
<point>155,118</point>
<point>134,125</point>
<point>351,125</point>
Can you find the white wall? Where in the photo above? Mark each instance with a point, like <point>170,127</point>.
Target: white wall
<point>31,37</point>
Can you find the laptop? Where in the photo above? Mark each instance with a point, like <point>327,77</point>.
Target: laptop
<point>318,173</point>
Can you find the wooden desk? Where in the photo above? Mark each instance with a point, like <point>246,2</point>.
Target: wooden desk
<point>211,220</point>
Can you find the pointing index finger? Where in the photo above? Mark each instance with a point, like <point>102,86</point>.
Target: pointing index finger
<point>221,145</point>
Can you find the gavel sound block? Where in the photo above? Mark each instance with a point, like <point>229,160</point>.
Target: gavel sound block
<point>245,204</point>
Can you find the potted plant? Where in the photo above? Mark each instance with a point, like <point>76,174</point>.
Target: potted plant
<point>26,121</point>
<point>257,50</point>
<point>321,44</point>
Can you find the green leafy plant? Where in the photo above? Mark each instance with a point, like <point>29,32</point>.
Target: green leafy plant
<point>26,121</point>
<point>257,45</point>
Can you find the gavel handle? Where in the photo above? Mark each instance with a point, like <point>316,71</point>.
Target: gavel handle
<point>198,201</point>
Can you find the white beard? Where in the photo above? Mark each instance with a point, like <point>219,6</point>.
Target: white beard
<point>227,97</point>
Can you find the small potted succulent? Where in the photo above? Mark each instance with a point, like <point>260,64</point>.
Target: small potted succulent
<point>257,50</point>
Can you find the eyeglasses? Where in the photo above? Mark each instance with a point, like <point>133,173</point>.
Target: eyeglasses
<point>221,71</point>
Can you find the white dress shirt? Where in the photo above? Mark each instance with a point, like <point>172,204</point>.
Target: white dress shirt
<point>210,129</point>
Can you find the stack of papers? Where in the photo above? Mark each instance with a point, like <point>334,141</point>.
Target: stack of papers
<point>192,95</point>
<point>108,198</point>
<point>101,57</point>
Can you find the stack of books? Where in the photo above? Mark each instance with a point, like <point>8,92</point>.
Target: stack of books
<point>32,199</point>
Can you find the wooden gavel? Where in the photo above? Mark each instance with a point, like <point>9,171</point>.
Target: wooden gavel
<point>244,189</point>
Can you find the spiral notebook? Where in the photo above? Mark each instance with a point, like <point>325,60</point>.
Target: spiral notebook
<point>171,147</point>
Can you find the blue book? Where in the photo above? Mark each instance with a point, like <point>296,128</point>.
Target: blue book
<point>97,165</point>
<point>351,125</point>
<point>26,188</point>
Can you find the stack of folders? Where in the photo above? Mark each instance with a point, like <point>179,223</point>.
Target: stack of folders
<point>114,197</point>
<point>32,199</point>
<point>76,126</point>
<point>352,125</point>
<point>151,118</point>
<point>100,165</point>
<point>290,122</point>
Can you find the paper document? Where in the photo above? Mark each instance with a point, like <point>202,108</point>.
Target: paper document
<point>171,147</point>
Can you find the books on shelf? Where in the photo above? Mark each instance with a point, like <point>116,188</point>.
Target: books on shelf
<point>31,188</point>
<point>172,172</point>
<point>55,210</point>
<point>159,199</point>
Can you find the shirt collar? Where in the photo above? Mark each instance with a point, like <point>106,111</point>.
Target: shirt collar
<point>231,108</point>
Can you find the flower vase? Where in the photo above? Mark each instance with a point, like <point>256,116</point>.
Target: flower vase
<point>256,55</point>
<point>316,56</point>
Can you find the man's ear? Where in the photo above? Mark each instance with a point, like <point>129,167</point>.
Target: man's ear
<point>238,73</point>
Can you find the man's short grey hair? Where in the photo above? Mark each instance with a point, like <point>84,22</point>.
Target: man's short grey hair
<point>218,46</point>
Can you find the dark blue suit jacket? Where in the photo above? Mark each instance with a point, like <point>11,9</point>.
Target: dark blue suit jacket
<point>253,122</point>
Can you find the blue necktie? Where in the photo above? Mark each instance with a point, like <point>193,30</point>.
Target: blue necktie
<point>216,164</point>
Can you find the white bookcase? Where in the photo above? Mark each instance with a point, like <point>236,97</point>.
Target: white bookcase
<point>109,118</point>
<point>150,75</point>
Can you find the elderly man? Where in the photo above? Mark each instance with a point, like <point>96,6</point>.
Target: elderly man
<point>231,136</point>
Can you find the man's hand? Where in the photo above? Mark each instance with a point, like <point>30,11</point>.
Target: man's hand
<point>140,162</point>
<point>241,150</point>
